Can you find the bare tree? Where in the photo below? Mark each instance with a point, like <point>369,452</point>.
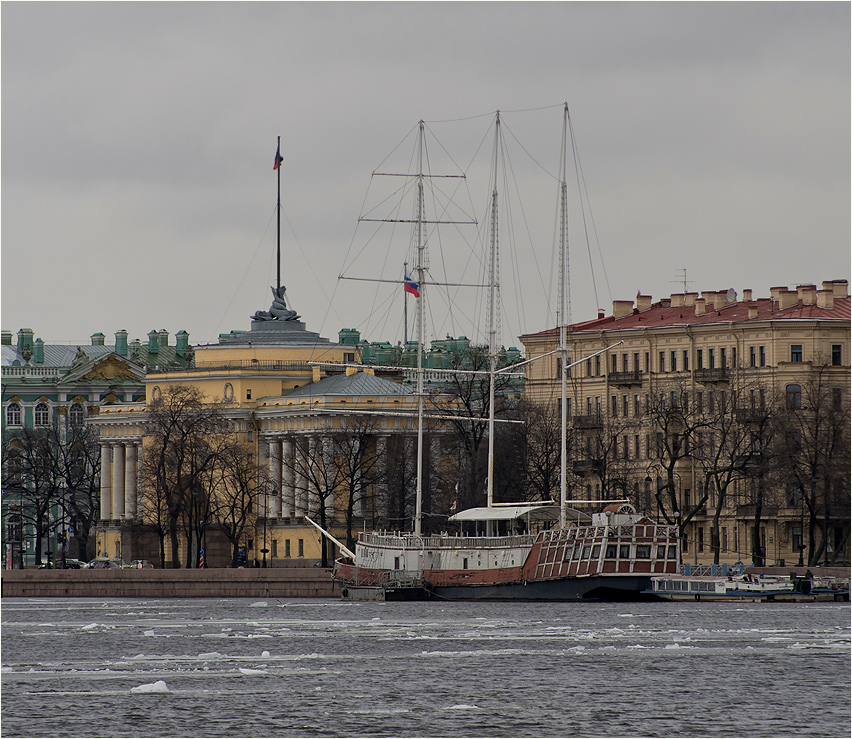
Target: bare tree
<point>238,487</point>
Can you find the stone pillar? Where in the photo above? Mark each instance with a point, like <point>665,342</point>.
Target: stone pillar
<point>312,466</point>
<point>328,475</point>
<point>130,475</point>
<point>118,467</point>
<point>382,497</point>
<point>357,450</point>
<point>288,501</point>
<point>274,454</point>
<point>301,493</point>
<point>106,479</point>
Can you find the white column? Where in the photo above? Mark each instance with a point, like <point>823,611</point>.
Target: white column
<point>130,475</point>
<point>313,492</point>
<point>300,463</point>
<point>274,453</point>
<point>288,502</point>
<point>328,474</point>
<point>382,498</point>
<point>106,479</point>
<point>118,467</point>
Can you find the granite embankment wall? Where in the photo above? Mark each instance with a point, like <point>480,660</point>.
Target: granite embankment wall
<point>311,582</point>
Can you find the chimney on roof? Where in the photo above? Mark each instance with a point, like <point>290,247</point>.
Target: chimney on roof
<point>622,308</point>
<point>677,300</point>
<point>775,292</point>
<point>689,299</point>
<point>163,337</point>
<point>746,296</point>
<point>25,339</point>
<point>699,306</point>
<point>840,287</point>
<point>98,339</point>
<point>787,299</point>
<point>7,338</point>
<point>601,313</point>
<point>666,302</point>
<point>825,299</point>
<point>643,302</point>
<point>720,300</point>
<point>153,343</point>
<point>38,352</point>
<point>752,312</point>
<point>121,343</point>
<point>181,343</point>
<point>807,294</point>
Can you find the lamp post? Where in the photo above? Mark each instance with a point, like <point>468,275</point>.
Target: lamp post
<point>64,490</point>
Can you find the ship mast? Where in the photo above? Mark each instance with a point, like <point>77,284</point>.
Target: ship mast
<point>563,320</point>
<point>492,317</point>
<point>418,507</point>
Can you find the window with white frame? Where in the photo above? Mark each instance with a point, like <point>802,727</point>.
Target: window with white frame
<point>42,414</point>
<point>13,414</point>
<point>75,415</point>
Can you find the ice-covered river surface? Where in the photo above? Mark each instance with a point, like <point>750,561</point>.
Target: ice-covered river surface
<point>308,668</point>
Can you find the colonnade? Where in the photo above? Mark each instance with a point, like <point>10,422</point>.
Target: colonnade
<point>301,469</point>
<point>119,480</point>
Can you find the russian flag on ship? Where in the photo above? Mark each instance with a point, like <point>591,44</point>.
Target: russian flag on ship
<point>411,286</point>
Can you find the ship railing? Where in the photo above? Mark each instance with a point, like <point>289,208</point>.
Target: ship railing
<point>384,578</point>
<point>444,542</point>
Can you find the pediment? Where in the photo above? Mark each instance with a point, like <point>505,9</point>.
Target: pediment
<point>110,368</point>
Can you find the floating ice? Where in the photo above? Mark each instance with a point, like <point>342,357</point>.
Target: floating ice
<point>89,627</point>
<point>209,655</point>
<point>150,632</point>
<point>157,687</point>
<point>264,653</point>
<point>259,604</point>
<point>463,707</point>
<point>249,671</point>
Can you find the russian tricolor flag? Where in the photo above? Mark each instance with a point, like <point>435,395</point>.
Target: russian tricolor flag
<point>278,159</point>
<point>411,286</point>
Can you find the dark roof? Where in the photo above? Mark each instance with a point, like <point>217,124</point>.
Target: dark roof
<point>360,383</point>
<point>659,316</point>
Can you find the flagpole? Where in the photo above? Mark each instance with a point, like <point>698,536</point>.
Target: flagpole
<point>278,231</point>
<point>405,306</point>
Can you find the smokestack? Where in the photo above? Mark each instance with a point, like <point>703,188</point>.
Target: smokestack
<point>121,343</point>
<point>746,296</point>
<point>622,308</point>
<point>643,302</point>
<point>825,299</point>
<point>807,294</point>
<point>700,306</point>
<point>689,299</point>
<point>677,300</point>
<point>787,299</point>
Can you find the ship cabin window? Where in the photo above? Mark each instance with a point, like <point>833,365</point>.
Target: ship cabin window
<point>661,551</point>
<point>464,563</point>
<point>396,563</point>
<point>624,551</point>
<point>586,550</point>
<point>569,551</point>
<point>596,551</point>
<point>610,551</point>
<point>643,551</point>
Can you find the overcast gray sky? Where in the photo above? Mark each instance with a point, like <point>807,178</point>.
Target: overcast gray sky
<point>138,141</point>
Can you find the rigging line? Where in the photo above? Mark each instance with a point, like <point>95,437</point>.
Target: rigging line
<point>585,224</point>
<point>532,158</point>
<point>592,218</point>
<point>483,115</point>
<point>245,273</point>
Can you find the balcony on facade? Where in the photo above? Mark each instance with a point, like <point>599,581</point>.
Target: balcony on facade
<point>587,422</point>
<point>633,377</point>
<point>581,466</point>
<point>717,374</point>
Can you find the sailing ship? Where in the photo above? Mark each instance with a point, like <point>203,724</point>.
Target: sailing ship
<point>529,551</point>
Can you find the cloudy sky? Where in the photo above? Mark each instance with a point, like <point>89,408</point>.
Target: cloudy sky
<point>138,142</point>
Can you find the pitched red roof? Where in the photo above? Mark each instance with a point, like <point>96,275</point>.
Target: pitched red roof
<point>658,316</point>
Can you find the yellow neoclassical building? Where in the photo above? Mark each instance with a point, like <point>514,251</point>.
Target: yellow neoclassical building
<point>714,347</point>
<point>299,409</point>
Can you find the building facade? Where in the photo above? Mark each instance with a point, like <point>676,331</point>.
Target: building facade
<point>687,379</point>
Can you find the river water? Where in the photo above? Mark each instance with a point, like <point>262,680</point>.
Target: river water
<point>317,668</point>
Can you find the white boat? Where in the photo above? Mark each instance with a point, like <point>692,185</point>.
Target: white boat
<point>748,587</point>
<point>530,551</point>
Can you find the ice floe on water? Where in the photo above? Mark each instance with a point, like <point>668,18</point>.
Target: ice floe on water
<point>259,604</point>
<point>209,655</point>
<point>463,707</point>
<point>157,687</point>
<point>250,671</point>
<point>264,653</point>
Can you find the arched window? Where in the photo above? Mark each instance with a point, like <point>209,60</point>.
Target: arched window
<point>13,414</point>
<point>794,397</point>
<point>42,415</point>
<point>75,415</point>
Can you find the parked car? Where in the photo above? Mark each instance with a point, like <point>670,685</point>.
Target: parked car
<point>73,564</point>
<point>105,563</point>
<point>140,564</point>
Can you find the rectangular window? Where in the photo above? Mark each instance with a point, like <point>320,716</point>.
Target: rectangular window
<point>615,362</point>
<point>796,353</point>
<point>624,366</point>
<point>662,367</point>
<point>596,551</point>
<point>711,358</point>
<point>287,548</point>
<point>637,447</point>
<point>752,356</point>
<point>624,551</point>
<point>836,355</point>
<point>699,359</point>
<point>636,362</point>
<point>643,551</point>
<point>674,361</point>
<point>762,354</point>
<point>567,407</point>
<point>647,361</point>
<point>626,405</point>
<point>588,406</point>
<point>636,408</point>
<point>627,447</point>
<point>661,551</point>
<point>711,401</point>
<point>615,406</point>
<point>686,360</point>
<point>248,393</point>
<point>610,551</point>
<point>396,563</point>
<point>700,539</point>
<point>598,366</point>
<point>733,356</point>
<point>301,547</point>
<point>589,367</point>
<point>723,357</point>
<point>275,547</point>
<point>587,550</point>
<point>598,406</point>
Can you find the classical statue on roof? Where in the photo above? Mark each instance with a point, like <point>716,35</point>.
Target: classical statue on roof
<point>278,311</point>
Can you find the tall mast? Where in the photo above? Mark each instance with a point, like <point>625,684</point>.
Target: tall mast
<point>563,320</point>
<point>278,209</point>
<point>418,510</point>
<point>405,308</point>
<point>492,317</point>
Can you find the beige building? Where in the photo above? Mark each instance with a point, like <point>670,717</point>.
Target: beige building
<point>700,353</point>
<point>311,425</point>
